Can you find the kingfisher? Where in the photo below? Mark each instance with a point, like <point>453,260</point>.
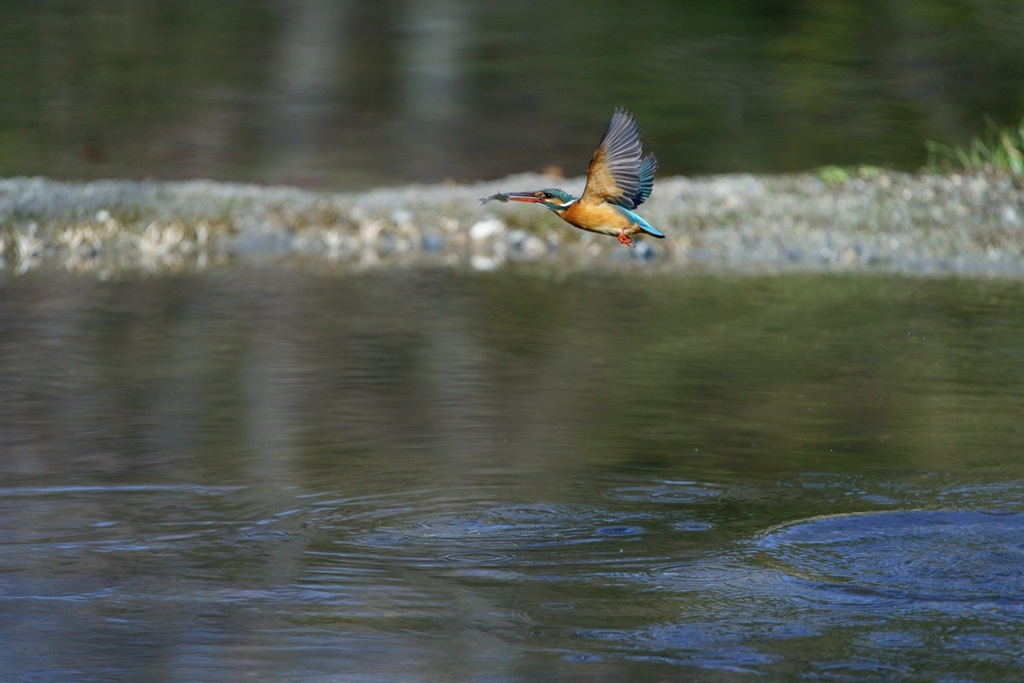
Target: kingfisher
<point>619,179</point>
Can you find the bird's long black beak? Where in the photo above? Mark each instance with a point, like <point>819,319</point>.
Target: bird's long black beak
<point>523,197</point>
<point>512,196</point>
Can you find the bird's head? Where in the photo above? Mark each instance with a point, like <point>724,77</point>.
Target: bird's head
<point>553,198</point>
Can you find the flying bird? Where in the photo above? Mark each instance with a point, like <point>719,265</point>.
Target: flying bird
<point>619,179</point>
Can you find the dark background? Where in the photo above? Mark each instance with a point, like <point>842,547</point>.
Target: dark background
<point>351,94</point>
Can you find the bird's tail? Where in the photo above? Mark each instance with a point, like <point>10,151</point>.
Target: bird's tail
<point>648,228</point>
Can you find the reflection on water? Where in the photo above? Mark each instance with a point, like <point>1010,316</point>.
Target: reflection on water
<point>438,476</point>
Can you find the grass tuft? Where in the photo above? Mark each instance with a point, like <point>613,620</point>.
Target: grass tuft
<point>1001,149</point>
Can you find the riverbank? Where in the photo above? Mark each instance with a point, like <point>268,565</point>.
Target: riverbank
<point>869,220</point>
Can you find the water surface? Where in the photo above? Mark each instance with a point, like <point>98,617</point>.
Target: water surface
<point>427,475</point>
<point>349,94</point>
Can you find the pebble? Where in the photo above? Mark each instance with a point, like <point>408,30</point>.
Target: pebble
<point>486,229</point>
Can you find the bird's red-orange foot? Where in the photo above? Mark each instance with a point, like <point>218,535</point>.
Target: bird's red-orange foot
<point>624,238</point>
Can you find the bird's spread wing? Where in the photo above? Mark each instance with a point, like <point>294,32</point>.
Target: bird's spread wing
<point>617,174</point>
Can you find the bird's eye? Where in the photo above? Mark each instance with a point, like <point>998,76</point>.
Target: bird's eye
<point>548,195</point>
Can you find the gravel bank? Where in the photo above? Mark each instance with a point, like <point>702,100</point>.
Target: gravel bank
<point>870,220</point>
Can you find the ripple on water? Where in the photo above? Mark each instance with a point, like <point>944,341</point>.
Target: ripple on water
<point>917,556</point>
<point>72,518</point>
<point>701,645</point>
<point>111,542</point>
<point>868,591</point>
<point>485,534</point>
<point>667,492</point>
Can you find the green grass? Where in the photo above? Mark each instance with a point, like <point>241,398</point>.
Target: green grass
<point>1001,149</point>
<point>838,175</point>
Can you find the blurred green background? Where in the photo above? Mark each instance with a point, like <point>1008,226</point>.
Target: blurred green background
<point>351,94</point>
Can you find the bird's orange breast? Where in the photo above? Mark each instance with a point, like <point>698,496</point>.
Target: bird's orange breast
<point>602,218</point>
